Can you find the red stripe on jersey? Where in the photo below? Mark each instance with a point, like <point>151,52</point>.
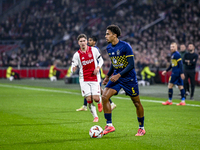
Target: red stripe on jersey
<point>87,61</point>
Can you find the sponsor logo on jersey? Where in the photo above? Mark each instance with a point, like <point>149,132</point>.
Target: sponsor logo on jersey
<point>87,62</point>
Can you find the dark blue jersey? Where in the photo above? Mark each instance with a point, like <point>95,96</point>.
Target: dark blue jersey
<point>118,55</point>
<point>121,56</point>
<point>176,65</point>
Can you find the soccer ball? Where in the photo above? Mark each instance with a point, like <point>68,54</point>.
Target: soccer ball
<point>96,132</point>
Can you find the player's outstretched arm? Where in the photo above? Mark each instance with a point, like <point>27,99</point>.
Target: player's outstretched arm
<point>74,69</point>
<point>106,79</point>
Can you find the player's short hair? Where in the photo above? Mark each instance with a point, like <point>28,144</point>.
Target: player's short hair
<point>94,38</point>
<point>114,29</point>
<point>81,36</point>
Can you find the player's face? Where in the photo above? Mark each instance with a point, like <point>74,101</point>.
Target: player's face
<point>173,47</point>
<point>91,42</point>
<point>110,36</point>
<point>82,43</point>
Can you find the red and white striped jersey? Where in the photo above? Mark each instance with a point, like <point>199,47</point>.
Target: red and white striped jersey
<point>87,62</point>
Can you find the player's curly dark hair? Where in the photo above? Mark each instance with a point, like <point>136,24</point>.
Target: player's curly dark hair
<point>94,38</point>
<point>114,29</point>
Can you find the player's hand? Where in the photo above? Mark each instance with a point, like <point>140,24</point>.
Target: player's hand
<point>96,70</point>
<point>105,81</point>
<point>74,69</point>
<point>164,73</point>
<point>115,77</point>
<point>182,76</point>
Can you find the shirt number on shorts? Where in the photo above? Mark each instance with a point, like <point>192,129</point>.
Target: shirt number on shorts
<point>133,91</point>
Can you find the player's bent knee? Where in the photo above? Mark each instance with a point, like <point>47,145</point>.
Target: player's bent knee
<point>89,99</point>
<point>96,98</point>
<point>104,98</point>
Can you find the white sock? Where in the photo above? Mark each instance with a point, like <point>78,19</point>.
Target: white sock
<point>170,101</point>
<point>92,109</point>
<point>141,128</point>
<point>100,99</point>
<point>112,103</point>
<point>109,124</point>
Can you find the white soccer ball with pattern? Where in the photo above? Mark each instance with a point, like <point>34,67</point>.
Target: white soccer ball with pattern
<point>96,132</point>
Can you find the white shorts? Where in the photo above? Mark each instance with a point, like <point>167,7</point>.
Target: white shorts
<point>90,88</point>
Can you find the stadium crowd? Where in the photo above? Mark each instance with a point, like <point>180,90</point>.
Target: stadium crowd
<point>49,29</point>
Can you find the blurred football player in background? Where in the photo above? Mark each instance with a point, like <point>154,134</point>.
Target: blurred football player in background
<point>92,41</point>
<point>89,61</point>
<point>177,75</point>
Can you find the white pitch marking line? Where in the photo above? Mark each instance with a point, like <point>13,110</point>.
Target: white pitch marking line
<point>57,91</point>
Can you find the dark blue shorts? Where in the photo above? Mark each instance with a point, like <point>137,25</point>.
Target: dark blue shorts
<point>130,86</point>
<point>175,79</point>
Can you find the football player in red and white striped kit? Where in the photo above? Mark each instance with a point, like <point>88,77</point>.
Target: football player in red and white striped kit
<point>89,77</point>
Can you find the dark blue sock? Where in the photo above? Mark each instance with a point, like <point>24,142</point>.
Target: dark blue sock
<point>170,94</point>
<point>182,94</point>
<point>141,121</point>
<point>110,101</point>
<point>108,117</point>
<point>85,102</point>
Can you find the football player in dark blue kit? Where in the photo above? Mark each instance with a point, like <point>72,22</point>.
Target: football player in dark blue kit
<point>124,76</point>
<point>177,75</point>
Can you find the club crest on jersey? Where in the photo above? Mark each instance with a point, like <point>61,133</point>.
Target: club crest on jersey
<point>118,52</point>
<point>114,61</point>
<point>89,55</point>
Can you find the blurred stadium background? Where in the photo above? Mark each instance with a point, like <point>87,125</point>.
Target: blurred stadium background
<point>35,33</point>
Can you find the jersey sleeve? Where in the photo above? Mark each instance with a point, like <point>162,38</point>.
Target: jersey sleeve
<point>177,57</point>
<point>129,51</point>
<point>96,52</point>
<point>97,56</point>
<point>75,60</point>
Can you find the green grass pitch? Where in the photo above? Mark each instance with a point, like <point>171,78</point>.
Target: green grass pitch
<point>39,114</point>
